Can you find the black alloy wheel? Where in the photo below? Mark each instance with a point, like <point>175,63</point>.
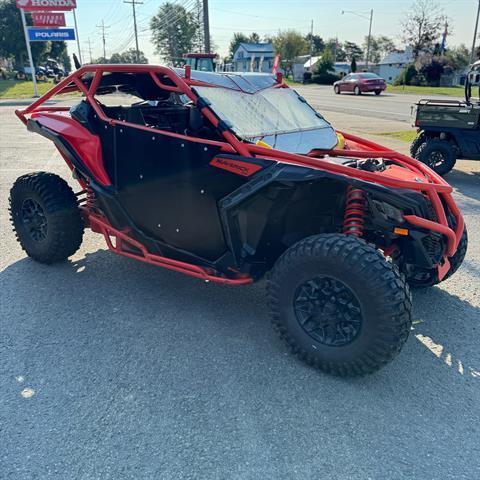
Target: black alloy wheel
<point>328,311</point>
<point>34,219</point>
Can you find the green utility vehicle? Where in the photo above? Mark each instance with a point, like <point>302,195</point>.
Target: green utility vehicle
<point>448,129</point>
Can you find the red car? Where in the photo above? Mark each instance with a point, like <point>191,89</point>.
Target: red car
<point>359,83</point>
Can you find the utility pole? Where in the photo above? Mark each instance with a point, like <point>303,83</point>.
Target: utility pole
<point>135,2</point>
<point>472,53</point>
<point>206,26</point>
<point>103,27</point>
<point>369,39</point>
<point>90,49</point>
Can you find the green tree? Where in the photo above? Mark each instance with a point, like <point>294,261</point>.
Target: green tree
<point>325,64</point>
<point>335,48</point>
<point>12,39</point>
<point>422,25</point>
<point>289,44</point>
<point>458,57</point>
<point>58,51</point>
<point>324,72</point>
<point>173,31</point>
<point>254,38</point>
<point>352,50</point>
<point>317,43</point>
<point>379,47</point>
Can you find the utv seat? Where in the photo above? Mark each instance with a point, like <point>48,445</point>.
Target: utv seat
<point>83,113</point>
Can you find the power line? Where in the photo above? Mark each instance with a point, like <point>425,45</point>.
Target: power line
<point>90,49</point>
<point>103,27</point>
<point>133,3</point>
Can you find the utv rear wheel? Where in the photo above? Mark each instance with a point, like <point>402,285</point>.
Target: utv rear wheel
<point>357,91</point>
<point>339,305</point>
<point>439,155</point>
<point>45,217</point>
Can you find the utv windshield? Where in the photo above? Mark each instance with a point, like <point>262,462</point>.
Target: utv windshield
<point>278,116</point>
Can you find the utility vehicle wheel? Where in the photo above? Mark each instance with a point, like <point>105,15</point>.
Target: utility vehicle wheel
<point>423,278</point>
<point>339,304</point>
<point>357,91</point>
<point>419,140</point>
<point>378,92</point>
<point>45,217</point>
<point>336,89</point>
<point>439,155</point>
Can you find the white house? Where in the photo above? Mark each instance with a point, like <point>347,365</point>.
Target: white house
<point>393,64</point>
<point>254,57</point>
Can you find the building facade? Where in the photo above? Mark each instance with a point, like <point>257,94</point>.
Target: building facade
<point>253,57</point>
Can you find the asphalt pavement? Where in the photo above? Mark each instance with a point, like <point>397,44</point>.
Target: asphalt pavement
<point>387,106</point>
<point>114,369</point>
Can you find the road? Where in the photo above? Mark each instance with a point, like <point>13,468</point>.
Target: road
<point>387,106</point>
<point>113,369</point>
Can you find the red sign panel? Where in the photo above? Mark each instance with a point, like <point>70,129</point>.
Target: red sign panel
<point>48,19</point>
<point>46,5</point>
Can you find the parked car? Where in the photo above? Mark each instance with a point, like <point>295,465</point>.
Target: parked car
<point>359,83</point>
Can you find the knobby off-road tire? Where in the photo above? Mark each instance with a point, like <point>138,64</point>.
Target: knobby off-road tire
<point>419,140</point>
<point>337,280</point>
<point>45,217</point>
<point>439,155</point>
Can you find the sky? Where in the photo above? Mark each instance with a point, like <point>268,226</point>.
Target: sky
<point>266,17</point>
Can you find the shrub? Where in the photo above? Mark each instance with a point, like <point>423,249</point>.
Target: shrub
<point>325,78</point>
<point>407,77</point>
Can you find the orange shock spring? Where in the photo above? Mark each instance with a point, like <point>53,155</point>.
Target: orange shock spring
<point>354,212</point>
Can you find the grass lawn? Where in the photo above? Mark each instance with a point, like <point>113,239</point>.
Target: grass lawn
<point>18,89</point>
<point>291,83</point>
<point>405,135</point>
<point>450,91</point>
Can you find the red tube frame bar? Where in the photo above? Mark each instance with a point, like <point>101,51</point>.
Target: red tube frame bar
<point>97,224</point>
<point>432,185</point>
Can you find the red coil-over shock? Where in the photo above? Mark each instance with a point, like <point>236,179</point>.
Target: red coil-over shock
<point>90,203</point>
<point>354,212</point>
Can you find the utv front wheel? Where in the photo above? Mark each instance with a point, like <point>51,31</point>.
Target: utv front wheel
<point>45,217</point>
<point>439,155</point>
<point>339,305</point>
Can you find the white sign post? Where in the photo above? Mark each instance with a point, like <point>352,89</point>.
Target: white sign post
<point>30,58</point>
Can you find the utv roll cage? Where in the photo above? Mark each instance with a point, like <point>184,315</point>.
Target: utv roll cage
<point>89,80</point>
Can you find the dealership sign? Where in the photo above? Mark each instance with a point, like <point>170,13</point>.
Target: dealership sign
<point>52,34</point>
<point>36,5</point>
<point>48,19</point>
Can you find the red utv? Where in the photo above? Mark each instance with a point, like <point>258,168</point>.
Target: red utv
<point>231,178</point>
<point>359,83</point>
